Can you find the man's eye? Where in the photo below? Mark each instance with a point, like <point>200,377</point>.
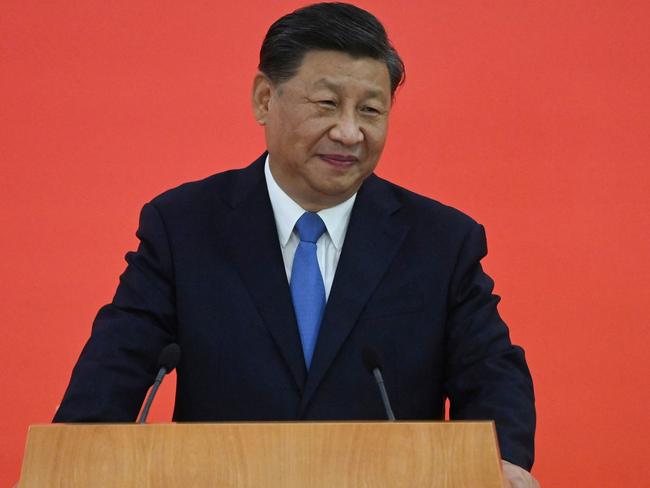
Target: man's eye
<point>370,110</point>
<point>327,103</point>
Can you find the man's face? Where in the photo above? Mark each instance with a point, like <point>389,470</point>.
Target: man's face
<point>325,127</point>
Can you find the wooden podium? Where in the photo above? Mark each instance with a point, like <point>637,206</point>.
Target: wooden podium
<point>260,455</point>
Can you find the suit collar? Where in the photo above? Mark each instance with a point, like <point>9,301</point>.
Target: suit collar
<point>243,183</point>
<point>254,249</point>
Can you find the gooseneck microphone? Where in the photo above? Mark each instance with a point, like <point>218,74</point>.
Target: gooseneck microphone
<point>373,363</point>
<point>167,361</point>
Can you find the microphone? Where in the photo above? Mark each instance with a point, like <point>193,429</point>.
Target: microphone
<point>167,361</point>
<point>372,361</point>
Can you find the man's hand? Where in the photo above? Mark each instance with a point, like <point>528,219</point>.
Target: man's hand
<point>516,477</point>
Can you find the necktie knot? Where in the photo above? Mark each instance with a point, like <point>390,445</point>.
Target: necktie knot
<point>310,227</point>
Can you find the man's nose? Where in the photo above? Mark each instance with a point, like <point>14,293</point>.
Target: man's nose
<point>347,131</point>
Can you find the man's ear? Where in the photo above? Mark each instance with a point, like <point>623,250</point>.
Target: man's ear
<point>262,89</point>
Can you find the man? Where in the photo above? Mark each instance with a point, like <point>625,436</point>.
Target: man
<point>274,278</point>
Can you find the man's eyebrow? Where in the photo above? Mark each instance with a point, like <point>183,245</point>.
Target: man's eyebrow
<point>369,93</point>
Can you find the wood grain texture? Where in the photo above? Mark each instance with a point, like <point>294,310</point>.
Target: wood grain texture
<point>314,455</point>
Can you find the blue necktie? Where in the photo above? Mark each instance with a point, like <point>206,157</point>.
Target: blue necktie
<point>307,289</point>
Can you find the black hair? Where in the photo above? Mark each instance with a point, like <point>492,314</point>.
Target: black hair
<point>327,26</point>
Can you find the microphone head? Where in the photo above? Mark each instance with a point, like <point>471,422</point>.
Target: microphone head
<point>371,358</point>
<point>169,357</point>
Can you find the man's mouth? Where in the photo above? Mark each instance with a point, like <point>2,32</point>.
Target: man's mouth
<point>340,160</point>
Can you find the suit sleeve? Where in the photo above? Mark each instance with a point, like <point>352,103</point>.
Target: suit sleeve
<point>487,377</point>
<point>118,363</point>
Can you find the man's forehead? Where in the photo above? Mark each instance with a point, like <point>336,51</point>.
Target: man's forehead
<point>336,69</point>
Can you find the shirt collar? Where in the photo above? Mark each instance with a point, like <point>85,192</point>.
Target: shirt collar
<point>287,212</point>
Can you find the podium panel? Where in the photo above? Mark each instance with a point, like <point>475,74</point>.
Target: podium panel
<point>260,455</point>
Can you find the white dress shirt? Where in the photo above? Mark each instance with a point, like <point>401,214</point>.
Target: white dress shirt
<point>287,212</point>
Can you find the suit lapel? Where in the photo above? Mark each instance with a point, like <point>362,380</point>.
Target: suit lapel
<point>255,251</point>
<point>374,235</point>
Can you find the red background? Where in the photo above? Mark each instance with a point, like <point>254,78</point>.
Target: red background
<point>531,116</point>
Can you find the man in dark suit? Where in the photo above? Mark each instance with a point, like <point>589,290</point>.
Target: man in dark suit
<point>274,278</point>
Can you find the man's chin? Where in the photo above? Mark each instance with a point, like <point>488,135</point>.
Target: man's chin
<point>332,195</point>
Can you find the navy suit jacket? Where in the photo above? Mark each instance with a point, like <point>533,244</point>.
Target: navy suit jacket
<point>208,274</point>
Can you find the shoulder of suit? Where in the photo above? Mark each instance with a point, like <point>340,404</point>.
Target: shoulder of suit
<point>422,207</point>
<point>225,186</point>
